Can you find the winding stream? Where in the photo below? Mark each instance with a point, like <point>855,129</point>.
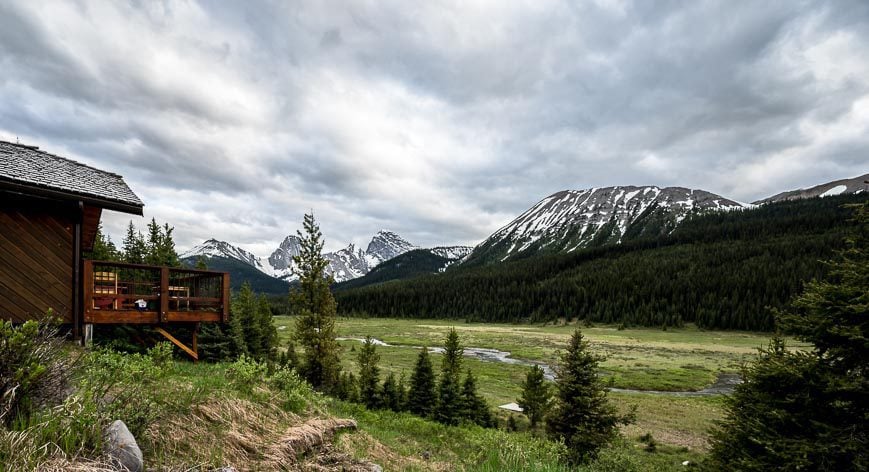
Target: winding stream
<point>724,384</point>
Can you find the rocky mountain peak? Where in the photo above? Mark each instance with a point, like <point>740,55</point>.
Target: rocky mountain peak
<point>572,219</point>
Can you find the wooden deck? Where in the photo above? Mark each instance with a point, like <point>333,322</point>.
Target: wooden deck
<point>118,293</point>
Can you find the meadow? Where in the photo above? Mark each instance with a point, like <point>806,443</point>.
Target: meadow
<point>678,359</point>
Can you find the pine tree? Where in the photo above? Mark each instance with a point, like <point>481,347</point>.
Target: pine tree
<point>536,398</point>
<point>134,248</point>
<point>314,306</point>
<point>215,344</point>
<point>421,397</point>
<point>104,249</point>
<point>289,358</point>
<point>267,328</point>
<point>244,311</point>
<point>582,416</point>
<point>449,405</point>
<point>474,407</point>
<point>369,374</point>
<point>801,410</point>
<point>201,263</point>
<point>402,393</point>
<point>347,388</point>
<point>391,393</point>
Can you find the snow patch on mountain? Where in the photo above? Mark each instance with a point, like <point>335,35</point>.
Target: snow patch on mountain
<point>214,248</point>
<point>572,219</point>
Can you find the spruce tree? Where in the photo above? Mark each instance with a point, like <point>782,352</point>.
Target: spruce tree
<point>806,410</point>
<point>244,310</point>
<point>536,397</point>
<point>133,246</point>
<point>267,328</point>
<point>474,407</point>
<point>104,249</point>
<point>369,374</point>
<point>314,306</point>
<point>421,397</point>
<point>582,416</point>
<point>402,393</point>
<point>449,404</point>
<point>391,393</point>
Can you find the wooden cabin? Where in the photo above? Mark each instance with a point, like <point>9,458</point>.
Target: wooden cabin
<point>50,209</point>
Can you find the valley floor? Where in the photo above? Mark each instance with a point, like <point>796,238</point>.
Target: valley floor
<point>679,359</point>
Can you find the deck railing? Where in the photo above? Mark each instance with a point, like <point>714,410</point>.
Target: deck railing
<point>116,292</point>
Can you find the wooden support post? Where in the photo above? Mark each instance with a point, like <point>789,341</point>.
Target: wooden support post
<point>178,343</point>
<point>88,302</point>
<point>164,294</point>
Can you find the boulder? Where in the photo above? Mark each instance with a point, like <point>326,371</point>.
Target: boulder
<point>121,447</point>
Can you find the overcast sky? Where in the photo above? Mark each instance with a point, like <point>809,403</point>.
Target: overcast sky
<point>438,120</point>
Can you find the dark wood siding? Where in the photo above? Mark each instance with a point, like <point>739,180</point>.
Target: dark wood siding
<point>36,258</point>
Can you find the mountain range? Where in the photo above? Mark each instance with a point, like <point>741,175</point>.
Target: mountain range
<point>562,222</point>
<point>345,264</point>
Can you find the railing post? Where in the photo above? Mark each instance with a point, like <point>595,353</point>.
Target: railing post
<point>164,294</point>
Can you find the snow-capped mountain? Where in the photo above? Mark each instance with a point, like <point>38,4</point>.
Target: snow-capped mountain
<point>837,187</point>
<point>345,264</point>
<point>385,245</point>
<point>215,248</point>
<point>573,219</point>
<point>281,260</point>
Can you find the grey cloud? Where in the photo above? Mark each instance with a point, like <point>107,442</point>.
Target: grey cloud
<point>366,113</point>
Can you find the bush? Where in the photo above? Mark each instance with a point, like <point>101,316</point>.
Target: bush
<point>34,371</point>
<point>123,386</point>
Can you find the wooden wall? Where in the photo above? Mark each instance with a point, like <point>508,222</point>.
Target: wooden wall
<point>36,258</point>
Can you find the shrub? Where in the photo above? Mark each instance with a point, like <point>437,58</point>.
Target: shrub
<point>34,371</point>
<point>124,386</point>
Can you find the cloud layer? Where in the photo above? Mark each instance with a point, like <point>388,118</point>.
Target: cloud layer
<point>439,120</point>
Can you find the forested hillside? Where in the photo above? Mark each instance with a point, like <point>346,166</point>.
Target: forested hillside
<point>718,270</point>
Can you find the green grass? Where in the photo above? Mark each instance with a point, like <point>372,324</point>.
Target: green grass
<point>640,358</point>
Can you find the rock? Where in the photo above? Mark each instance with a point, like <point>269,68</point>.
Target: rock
<point>426,455</point>
<point>686,463</point>
<point>121,447</point>
<point>226,468</point>
<point>375,468</point>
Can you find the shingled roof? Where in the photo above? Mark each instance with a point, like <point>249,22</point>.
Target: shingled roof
<point>26,169</point>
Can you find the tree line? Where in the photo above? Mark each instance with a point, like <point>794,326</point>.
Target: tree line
<point>720,270</point>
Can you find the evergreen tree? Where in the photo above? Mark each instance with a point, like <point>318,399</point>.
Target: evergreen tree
<point>391,393</point>
<point>369,374</point>
<point>104,249</point>
<point>215,343</point>
<point>314,306</point>
<point>267,328</point>
<point>347,388</point>
<point>582,416</point>
<point>289,358</point>
<point>536,398</point>
<point>244,308</point>
<point>134,248</point>
<point>474,407</point>
<point>801,410</point>
<point>449,405</point>
<point>421,397</point>
<point>201,263</point>
<point>402,393</point>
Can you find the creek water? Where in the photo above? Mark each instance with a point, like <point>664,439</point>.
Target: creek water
<point>724,383</point>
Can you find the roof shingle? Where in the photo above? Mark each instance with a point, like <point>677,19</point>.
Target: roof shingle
<point>29,166</point>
